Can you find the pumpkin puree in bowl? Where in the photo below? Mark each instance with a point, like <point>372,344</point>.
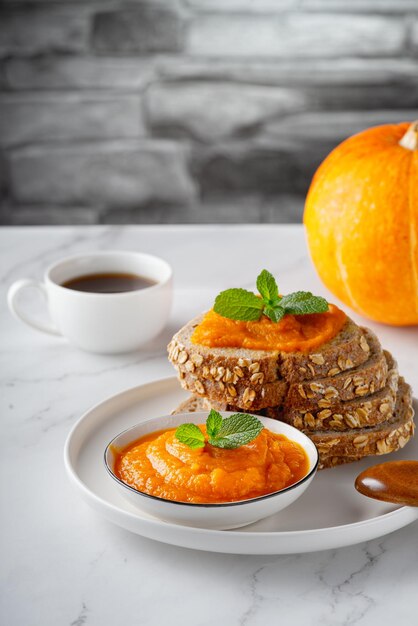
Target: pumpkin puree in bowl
<point>294,333</point>
<point>160,465</point>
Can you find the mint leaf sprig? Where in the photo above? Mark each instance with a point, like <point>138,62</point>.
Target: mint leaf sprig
<point>229,433</point>
<point>243,305</point>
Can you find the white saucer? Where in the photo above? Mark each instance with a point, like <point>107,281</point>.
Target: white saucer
<point>330,514</point>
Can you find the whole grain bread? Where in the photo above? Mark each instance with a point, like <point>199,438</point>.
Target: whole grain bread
<point>342,415</point>
<point>348,349</point>
<point>360,381</point>
<point>241,395</point>
<point>242,377</point>
<point>380,439</point>
<point>192,404</point>
<point>402,429</point>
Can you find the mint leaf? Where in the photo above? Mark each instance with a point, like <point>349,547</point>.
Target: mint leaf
<point>303,302</point>
<point>236,431</point>
<point>267,286</point>
<point>239,304</point>
<point>229,433</point>
<point>274,313</point>
<point>243,305</point>
<point>213,423</point>
<point>190,435</point>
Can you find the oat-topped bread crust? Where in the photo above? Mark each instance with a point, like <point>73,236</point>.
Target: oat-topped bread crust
<point>242,377</point>
<point>241,395</point>
<point>342,415</point>
<point>348,349</point>
<point>380,439</point>
<point>360,381</point>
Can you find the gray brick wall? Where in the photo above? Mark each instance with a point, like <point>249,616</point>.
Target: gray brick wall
<point>190,110</point>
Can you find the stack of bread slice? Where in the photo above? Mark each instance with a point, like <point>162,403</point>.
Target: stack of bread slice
<point>347,395</point>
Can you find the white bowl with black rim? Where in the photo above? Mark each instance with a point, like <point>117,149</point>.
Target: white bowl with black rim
<point>220,516</point>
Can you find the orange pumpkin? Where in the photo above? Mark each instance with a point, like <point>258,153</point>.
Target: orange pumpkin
<point>361,218</point>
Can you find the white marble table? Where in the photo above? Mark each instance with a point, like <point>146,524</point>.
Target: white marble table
<point>63,565</point>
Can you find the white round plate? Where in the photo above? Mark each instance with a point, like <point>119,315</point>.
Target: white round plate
<point>330,514</point>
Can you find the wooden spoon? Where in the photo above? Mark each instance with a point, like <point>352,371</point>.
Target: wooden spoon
<point>394,481</point>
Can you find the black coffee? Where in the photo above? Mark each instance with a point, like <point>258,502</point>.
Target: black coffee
<point>108,283</point>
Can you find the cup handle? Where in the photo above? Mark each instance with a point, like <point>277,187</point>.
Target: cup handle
<point>19,314</point>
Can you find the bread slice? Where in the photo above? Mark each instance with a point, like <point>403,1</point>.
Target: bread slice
<point>193,404</point>
<point>358,413</point>
<point>360,381</point>
<point>241,377</point>
<point>401,432</point>
<point>380,439</point>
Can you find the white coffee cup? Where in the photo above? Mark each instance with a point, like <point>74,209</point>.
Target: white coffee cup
<point>102,322</point>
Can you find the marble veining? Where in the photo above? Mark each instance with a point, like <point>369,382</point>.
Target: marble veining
<point>62,565</point>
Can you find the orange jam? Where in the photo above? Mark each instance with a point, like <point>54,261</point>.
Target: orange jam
<point>294,333</point>
<point>162,466</point>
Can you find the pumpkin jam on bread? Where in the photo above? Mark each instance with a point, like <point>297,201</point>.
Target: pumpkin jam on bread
<point>343,390</point>
<point>293,333</point>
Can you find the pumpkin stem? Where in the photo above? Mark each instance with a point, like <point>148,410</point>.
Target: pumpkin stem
<point>410,138</point>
